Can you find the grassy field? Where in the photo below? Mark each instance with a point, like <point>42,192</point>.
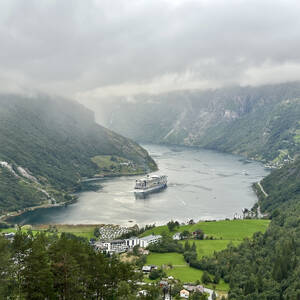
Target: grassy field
<point>159,259</point>
<point>227,230</point>
<point>223,233</point>
<point>86,231</point>
<point>208,247</point>
<point>180,270</point>
<point>115,165</point>
<point>188,274</point>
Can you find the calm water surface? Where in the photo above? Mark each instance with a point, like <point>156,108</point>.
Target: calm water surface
<point>202,184</point>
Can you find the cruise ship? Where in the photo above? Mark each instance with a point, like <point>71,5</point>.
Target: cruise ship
<point>150,184</point>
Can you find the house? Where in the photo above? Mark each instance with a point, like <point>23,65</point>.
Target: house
<point>194,288</point>
<point>147,240</point>
<point>144,251</point>
<point>184,294</point>
<point>177,236</point>
<point>9,235</point>
<point>163,283</point>
<point>142,293</point>
<point>146,269</point>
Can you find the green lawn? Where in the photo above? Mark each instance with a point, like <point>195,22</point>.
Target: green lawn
<point>227,230</point>
<point>208,247</point>
<point>188,274</point>
<point>86,231</point>
<point>116,165</point>
<point>159,259</point>
<point>223,232</point>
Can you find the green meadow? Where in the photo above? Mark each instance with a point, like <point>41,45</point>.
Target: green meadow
<point>227,230</point>
<point>86,231</point>
<point>158,259</point>
<point>223,233</point>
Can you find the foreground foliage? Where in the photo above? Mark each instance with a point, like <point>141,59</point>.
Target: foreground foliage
<point>65,267</point>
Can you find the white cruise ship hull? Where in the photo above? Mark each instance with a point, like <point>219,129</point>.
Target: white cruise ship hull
<point>150,189</point>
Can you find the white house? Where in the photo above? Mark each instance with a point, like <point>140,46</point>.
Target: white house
<point>9,235</point>
<point>176,236</point>
<point>184,294</point>
<point>146,269</point>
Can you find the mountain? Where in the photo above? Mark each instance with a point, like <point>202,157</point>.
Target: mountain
<point>257,122</point>
<point>49,145</point>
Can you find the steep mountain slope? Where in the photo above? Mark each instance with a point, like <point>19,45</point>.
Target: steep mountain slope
<point>259,122</point>
<point>48,146</point>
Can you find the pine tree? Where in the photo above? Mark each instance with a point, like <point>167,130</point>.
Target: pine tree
<point>187,246</point>
<point>37,275</point>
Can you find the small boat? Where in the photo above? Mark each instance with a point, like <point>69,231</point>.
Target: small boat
<point>150,184</point>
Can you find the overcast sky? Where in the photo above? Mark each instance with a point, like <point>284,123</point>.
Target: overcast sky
<point>89,49</point>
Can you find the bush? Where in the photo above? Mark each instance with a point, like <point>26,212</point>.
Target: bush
<point>155,274</point>
<point>205,278</point>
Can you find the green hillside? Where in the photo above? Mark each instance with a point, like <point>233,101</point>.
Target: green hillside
<point>54,140</point>
<point>257,122</point>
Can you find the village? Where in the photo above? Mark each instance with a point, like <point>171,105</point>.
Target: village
<point>168,269</point>
<point>110,243</point>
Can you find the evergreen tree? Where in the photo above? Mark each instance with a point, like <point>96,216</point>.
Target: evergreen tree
<point>37,275</point>
<point>5,269</point>
<point>187,246</point>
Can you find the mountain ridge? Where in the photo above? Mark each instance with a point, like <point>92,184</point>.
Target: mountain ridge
<point>240,120</point>
<point>54,141</point>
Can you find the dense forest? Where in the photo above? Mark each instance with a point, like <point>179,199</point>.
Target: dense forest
<point>53,141</point>
<point>64,267</point>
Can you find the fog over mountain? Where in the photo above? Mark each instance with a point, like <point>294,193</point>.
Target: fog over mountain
<point>94,49</point>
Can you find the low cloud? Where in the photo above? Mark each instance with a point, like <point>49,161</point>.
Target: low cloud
<point>90,49</point>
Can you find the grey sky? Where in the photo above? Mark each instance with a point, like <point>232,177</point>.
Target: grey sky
<point>88,49</point>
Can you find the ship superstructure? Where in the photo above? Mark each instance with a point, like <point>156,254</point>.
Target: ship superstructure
<point>150,183</point>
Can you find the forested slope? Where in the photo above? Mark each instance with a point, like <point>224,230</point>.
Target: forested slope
<point>257,122</point>
<point>49,143</point>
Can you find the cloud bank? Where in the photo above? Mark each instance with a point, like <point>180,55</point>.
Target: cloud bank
<point>92,49</point>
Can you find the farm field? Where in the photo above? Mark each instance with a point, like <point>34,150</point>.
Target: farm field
<point>188,274</point>
<point>86,231</point>
<point>208,247</point>
<point>222,233</point>
<point>159,259</point>
<point>180,269</point>
<point>227,230</point>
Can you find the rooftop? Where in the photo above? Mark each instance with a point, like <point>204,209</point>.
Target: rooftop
<point>150,237</point>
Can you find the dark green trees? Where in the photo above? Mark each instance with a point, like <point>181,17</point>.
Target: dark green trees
<point>66,268</point>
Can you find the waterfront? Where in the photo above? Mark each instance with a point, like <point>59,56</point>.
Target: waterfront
<point>202,184</point>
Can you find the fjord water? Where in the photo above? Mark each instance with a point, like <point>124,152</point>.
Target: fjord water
<point>202,184</point>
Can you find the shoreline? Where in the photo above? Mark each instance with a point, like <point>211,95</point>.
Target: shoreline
<point>4,218</point>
